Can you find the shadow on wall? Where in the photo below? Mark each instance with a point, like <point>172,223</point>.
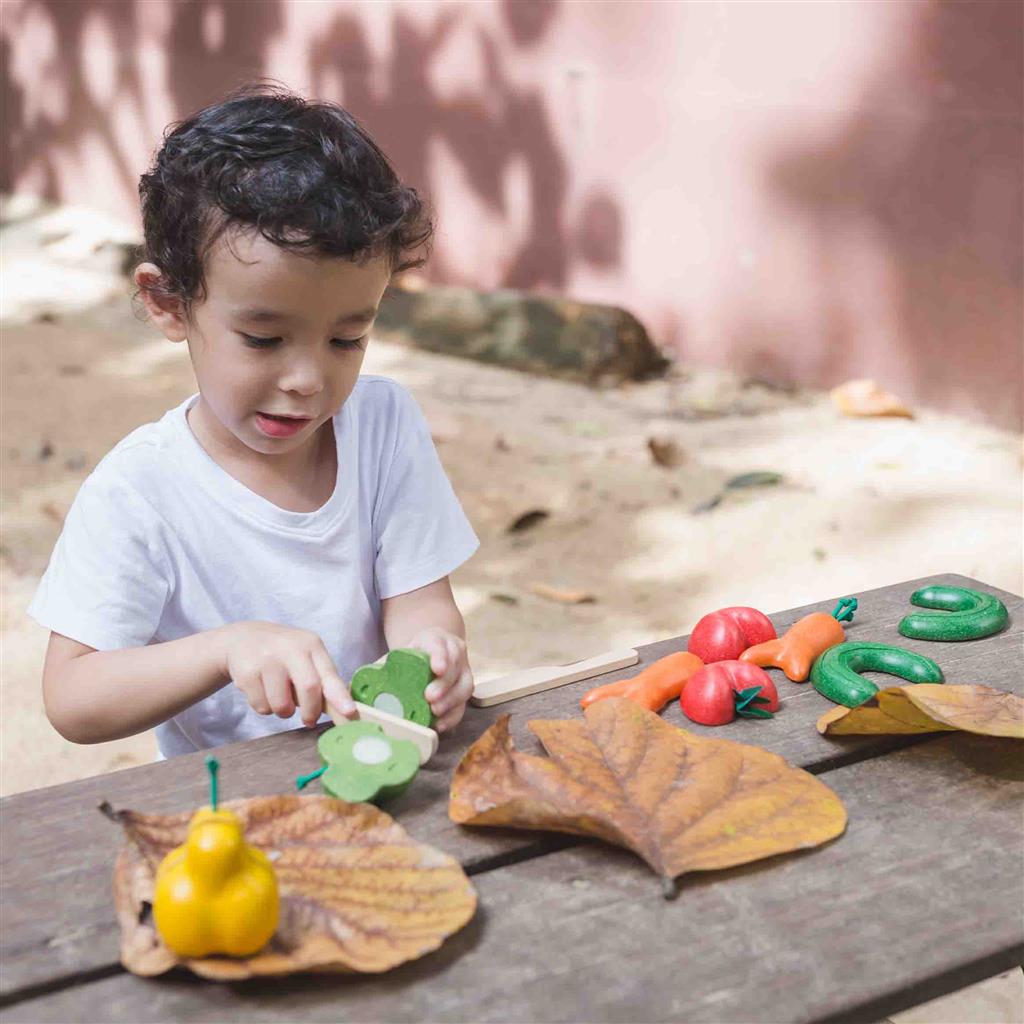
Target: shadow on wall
<point>487,131</point>
<point>213,47</point>
<point>931,167</point>
<point>225,44</point>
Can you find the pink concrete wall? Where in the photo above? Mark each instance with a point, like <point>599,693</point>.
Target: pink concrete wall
<point>804,191</point>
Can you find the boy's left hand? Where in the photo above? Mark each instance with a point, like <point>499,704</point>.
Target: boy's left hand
<point>453,682</point>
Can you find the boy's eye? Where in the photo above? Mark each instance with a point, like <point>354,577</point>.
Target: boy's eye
<point>349,343</point>
<point>255,342</point>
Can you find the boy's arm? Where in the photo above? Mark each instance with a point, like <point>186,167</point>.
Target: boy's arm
<point>408,614</point>
<point>430,620</point>
<point>93,696</point>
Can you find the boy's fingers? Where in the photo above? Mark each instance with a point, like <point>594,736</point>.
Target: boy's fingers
<point>448,722</point>
<point>335,691</point>
<point>455,695</point>
<point>278,688</point>
<point>456,657</point>
<point>306,683</point>
<point>439,658</point>
<point>440,665</point>
<point>251,686</point>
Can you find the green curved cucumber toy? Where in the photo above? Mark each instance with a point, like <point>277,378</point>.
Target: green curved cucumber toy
<point>397,686</point>
<point>363,765</point>
<point>963,614</point>
<point>836,674</point>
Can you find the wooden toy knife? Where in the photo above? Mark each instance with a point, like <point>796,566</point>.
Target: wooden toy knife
<point>547,677</point>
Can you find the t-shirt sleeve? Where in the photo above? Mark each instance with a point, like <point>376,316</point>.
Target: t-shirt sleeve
<point>422,533</point>
<point>108,579</point>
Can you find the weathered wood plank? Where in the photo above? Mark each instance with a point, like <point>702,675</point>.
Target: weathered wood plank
<point>54,842</point>
<point>921,896</point>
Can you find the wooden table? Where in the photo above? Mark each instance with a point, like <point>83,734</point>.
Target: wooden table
<point>921,896</point>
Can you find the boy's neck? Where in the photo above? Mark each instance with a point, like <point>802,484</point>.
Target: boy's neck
<point>297,481</point>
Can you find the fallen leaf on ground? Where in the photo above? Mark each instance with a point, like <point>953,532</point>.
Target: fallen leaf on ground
<point>666,452</point>
<point>930,707</point>
<point>743,482</point>
<point>866,398</point>
<point>526,520</point>
<point>759,478</point>
<point>563,596</point>
<point>51,511</point>
<point>358,894</point>
<point>680,801</point>
<point>706,506</point>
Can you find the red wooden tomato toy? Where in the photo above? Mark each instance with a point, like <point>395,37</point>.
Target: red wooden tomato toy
<point>724,635</point>
<point>720,692</point>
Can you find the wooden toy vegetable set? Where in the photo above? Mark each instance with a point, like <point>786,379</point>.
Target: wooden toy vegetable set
<point>273,885</point>
<point>721,674</point>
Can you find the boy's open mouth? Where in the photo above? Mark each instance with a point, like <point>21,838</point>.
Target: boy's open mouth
<point>275,425</point>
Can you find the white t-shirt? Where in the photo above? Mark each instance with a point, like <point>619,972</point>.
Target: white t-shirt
<point>162,543</point>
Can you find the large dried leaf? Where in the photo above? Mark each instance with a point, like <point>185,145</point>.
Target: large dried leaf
<point>357,892</point>
<point>930,707</point>
<point>682,802</point>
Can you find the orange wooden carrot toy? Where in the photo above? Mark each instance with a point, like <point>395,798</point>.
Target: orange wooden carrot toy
<point>794,652</point>
<point>660,682</point>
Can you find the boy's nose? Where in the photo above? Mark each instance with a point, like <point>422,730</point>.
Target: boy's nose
<point>304,378</point>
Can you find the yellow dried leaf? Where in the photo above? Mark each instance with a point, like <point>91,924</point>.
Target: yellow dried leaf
<point>930,707</point>
<point>357,892</point>
<point>562,596</point>
<point>866,398</point>
<point>680,801</point>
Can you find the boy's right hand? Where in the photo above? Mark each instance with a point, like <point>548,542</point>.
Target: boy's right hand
<point>280,668</point>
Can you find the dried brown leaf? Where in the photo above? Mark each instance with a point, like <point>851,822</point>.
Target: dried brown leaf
<point>357,892</point>
<point>866,398</point>
<point>666,452</point>
<point>680,801</point>
<point>562,596</point>
<point>930,707</point>
<point>527,520</point>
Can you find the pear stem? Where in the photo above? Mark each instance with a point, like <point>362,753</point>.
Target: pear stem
<point>212,764</point>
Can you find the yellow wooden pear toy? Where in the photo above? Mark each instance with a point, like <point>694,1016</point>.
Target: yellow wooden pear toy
<point>215,893</point>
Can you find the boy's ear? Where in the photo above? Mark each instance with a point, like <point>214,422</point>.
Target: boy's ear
<point>167,313</point>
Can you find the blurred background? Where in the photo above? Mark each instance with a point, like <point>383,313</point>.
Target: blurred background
<point>805,191</point>
<point>786,196</point>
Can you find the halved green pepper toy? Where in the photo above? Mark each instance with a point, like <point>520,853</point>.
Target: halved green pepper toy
<point>397,686</point>
<point>363,764</point>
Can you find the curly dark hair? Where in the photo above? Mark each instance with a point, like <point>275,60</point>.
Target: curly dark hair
<point>306,175</point>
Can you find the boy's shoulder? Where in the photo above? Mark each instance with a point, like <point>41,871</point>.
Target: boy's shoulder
<point>377,392</point>
<point>382,402</point>
<point>140,460</point>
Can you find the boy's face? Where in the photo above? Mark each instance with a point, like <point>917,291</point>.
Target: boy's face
<point>277,344</point>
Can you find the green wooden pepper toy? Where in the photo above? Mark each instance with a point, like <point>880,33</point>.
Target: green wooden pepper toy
<point>363,765</point>
<point>397,686</point>
<point>964,614</point>
<point>836,674</point>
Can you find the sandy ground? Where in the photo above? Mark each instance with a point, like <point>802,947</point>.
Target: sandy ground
<point>863,503</point>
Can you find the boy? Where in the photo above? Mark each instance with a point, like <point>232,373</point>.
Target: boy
<point>242,556</point>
